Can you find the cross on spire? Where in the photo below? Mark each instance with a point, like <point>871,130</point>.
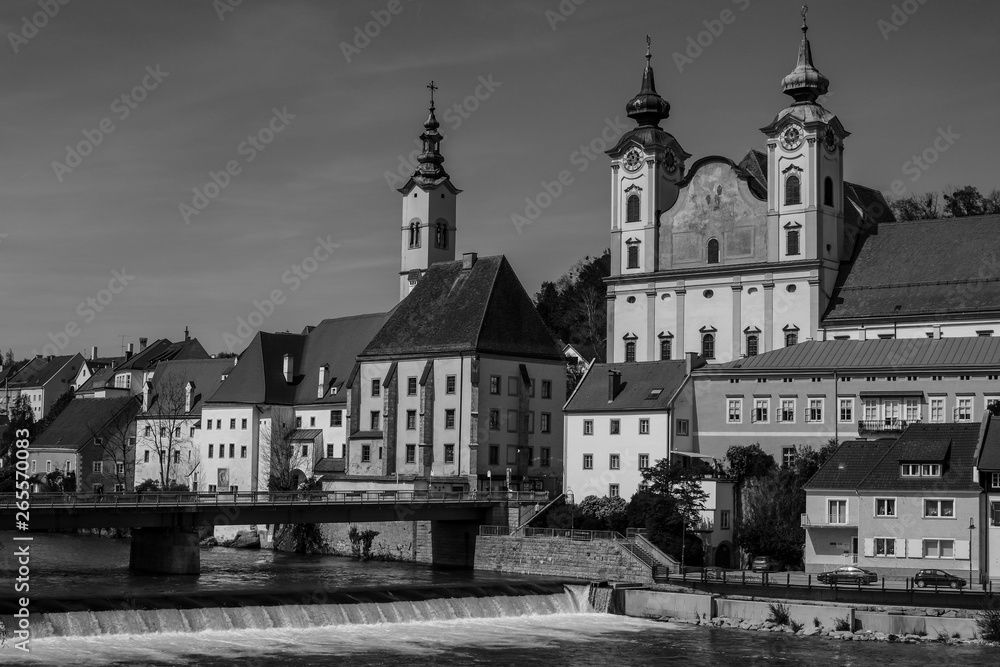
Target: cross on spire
<point>805,10</point>
<point>432,88</point>
<point>648,56</point>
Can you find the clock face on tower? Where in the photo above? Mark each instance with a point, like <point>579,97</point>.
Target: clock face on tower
<point>670,160</point>
<point>633,159</point>
<point>791,137</point>
<point>830,139</point>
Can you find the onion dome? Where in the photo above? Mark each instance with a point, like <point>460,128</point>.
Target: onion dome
<point>805,83</point>
<point>647,108</point>
<point>429,169</point>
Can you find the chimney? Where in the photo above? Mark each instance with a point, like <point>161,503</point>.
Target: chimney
<point>614,384</point>
<point>93,353</point>
<point>287,367</point>
<point>188,395</point>
<point>143,342</point>
<point>321,389</point>
<point>689,362</point>
<point>468,260</point>
<point>187,334</point>
<point>130,351</point>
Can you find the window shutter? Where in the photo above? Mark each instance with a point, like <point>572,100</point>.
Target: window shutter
<point>962,550</point>
<point>914,548</point>
<point>900,547</point>
<point>869,546</point>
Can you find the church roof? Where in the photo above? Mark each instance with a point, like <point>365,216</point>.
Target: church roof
<point>459,308</point>
<point>923,267</point>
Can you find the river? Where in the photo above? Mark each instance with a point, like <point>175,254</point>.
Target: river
<point>550,627</point>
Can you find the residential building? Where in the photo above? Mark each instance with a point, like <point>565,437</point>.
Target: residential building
<point>168,424</point>
<point>138,366</point>
<point>42,381</point>
<point>819,391</point>
<point>898,506</point>
<point>461,388</point>
<point>95,440</point>
<point>988,519</point>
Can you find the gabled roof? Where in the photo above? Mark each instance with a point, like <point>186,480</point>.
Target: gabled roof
<point>335,343</point>
<point>82,419</point>
<point>301,434</point>
<point>102,378</point>
<point>206,374</point>
<point>258,376</point>
<point>638,381</point>
<point>8,373</point>
<point>164,350</point>
<point>858,355</point>
<point>848,466</point>
<point>454,309</point>
<point>989,458</point>
<point>36,375</point>
<point>923,267</point>
<point>916,441</point>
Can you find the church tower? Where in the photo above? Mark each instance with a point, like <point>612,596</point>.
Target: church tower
<point>805,201</point>
<point>646,165</point>
<point>428,229</point>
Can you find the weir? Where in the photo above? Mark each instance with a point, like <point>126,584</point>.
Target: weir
<point>343,608</point>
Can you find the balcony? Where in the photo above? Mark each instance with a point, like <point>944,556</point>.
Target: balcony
<point>828,521</point>
<point>882,425</point>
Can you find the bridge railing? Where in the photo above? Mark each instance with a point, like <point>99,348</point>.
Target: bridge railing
<point>188,499</point>
<point>563,533</point>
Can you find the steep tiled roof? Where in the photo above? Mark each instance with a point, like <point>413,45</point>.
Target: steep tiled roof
<point>164,350</point>
<point>956,443</point>
<point>330,465</point>
<point>989,458</point>
<point>923,267</point>
<point>206,374</point>
<point>845,355</point>
<point>258,377</point>
<point>82,418</point>
<point>305,434</point>
<point>638,381</point>
<point>102,377</point>
<point>336,343</point>
<point>36,375</point>
<point>451,310</point>
<point>849,465</point>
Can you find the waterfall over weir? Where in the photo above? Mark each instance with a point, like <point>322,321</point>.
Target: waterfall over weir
<point>411,606</point>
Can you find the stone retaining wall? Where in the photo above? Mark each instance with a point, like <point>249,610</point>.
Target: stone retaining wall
<point>597,560</point>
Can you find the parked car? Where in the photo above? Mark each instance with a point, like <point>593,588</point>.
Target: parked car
<point>765,564</point>
<point>936,578</point>
<point>847,574</point>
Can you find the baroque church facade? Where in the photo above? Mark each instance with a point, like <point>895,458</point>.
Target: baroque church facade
<point>732,259</point>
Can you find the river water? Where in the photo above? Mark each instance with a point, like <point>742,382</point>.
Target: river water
<point>551,627</point>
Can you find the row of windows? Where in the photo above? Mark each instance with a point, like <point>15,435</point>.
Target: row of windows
<point>615,461</point>
<point>336,419</point>
<point>786,410</point>
<point>512,385</point>
<point>68,467</point>
<point>887,411</point>
<point>893,547</point>
<point>148,431</point>
<point>526,454</point>
<point>232,451</point>
<point>793,190</point>
<point>232,424</point>
<point>933,508</point>
<point>708,346</point>
<point>614,426</point>
<point>440,233</point>
<point>528,419</point>
<point>177,455</point>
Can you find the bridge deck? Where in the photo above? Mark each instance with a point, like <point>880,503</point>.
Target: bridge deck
<point>59,511</point>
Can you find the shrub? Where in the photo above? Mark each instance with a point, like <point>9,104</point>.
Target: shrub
<point>942,636</point>
<point>816,622</point>
<point>922,633</point>
<point>795,626</point>
<point>361,542</point>
<point>956,635</point>
<point>778,613</point>
<point>842,624</point>
<point>988,622</point>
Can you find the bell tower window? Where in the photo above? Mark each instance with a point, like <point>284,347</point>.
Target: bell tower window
<point>828,191</point>
<point>752,345</point>
<point>708,346</point>
<point>633,255</point>
<point>792,242</point>
<point>713,251</point>
<point>441,234</point>
<point>665,349</point>
<point>632,209</point>
<point>630,350</point>
<point>793,190</point>
<point>414,233</point>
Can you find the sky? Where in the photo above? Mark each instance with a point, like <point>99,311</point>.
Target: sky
<point>231,166</point>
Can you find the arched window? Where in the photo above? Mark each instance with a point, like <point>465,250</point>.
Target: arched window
<point>708,346</point>
<point>791,338</point>
<point>665,349</point>
<point>441,234</point>
<point>632,209</point>
<point>793,190</point>
<point>630,351</point>
<point>713,251</point>
<point>414,233</point>
<point>752,345</point>
<point>792,242</point>
<point>633,256</point>
<point>828,191</point>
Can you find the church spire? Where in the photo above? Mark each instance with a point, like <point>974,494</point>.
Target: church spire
<point>429,170</point>
<point>805,83</point>
<point>647,108</point>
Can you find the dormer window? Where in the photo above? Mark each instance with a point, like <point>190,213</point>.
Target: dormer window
<point>921,470</point>
<point>632,213</point>
<point>793,190</point>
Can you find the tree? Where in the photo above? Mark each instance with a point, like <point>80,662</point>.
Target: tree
<point>770,524</point>
<point>964,202</point>
<point>748,462</point>
<point>166,419</point>
<point>669,505</point>
<point>21,417</point>
<point>604,513</point>
<point>54,412</point>
<point>116,442</point>
<point>916,207</point>
<point>574,307</point>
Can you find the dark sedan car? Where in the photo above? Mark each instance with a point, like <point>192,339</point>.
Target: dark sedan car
<point>936,578</point>
<point>848,574</point>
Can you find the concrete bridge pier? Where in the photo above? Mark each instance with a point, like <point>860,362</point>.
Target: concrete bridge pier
<point>165,551</point>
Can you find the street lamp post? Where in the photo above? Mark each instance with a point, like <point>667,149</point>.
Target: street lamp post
<point>972,526</point>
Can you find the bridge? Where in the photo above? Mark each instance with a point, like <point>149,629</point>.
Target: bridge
<point>165,525</point>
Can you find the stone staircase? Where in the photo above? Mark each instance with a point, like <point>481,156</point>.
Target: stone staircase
<point>659,564</point>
